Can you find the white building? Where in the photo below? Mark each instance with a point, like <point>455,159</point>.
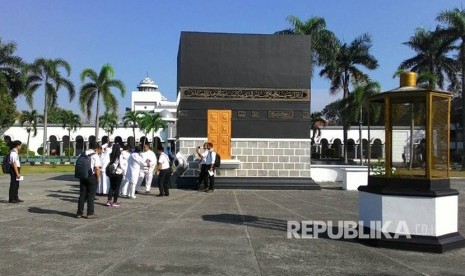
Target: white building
<point>147,98</point>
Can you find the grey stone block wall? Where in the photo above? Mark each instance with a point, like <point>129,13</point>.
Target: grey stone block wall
<point>258,158</point>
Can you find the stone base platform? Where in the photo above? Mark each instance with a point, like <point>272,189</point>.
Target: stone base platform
<point>279,183</point>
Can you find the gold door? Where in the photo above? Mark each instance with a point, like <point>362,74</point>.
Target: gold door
<point>219,131</point>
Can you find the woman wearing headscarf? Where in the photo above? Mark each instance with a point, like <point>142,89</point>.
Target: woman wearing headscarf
<point>115,175</point>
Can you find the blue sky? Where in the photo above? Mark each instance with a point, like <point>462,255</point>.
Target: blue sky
<point>141,36</point>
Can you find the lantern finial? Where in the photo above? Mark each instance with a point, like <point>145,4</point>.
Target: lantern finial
<point>408,79</point>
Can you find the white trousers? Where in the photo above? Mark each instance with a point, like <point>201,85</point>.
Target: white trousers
<point>104,184</point>
<point>124,186</point>
<point>148,180</point>
<point>139,181</point>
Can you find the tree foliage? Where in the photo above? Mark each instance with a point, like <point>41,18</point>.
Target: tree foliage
<point>109,121</point>
<point>97,89</point>
<point>431,59</point>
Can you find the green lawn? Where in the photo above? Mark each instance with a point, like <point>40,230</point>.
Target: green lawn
<point>38,169</point>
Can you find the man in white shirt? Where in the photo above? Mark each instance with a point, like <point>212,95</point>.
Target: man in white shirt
<point>203,168</point>
<point>210,161</point>
<point>87,187</point>
<point>15,172</point>
<point>164,173</point>
<point>151,160</point>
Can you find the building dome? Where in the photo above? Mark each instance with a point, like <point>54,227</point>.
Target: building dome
<point>165,114</point>
<point>147,84</point>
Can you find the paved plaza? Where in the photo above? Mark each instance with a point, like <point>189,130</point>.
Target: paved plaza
<point>228,232</point>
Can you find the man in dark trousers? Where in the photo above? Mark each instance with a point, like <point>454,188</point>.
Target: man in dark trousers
<point>15,172</point>
<point>210,161</point>
<point>203,168</point>
<point>88,187</point>
<point>164,173</point>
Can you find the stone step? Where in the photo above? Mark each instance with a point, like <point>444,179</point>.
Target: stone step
<point>269,183</point>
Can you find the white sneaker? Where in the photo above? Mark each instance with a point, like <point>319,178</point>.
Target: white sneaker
<point>133,197</point>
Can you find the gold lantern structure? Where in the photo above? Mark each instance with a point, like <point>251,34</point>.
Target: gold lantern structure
<point>417,128</point>
<point>411,187</point>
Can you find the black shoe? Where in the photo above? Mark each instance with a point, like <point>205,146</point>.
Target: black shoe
<point>13,201</point>
<point>19,200</point>
<point>160,195</point>
<point>78,216</point>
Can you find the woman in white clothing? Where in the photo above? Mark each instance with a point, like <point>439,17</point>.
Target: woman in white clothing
<point>133,173</point>
<point>104,184</point>
<point>124,159</point>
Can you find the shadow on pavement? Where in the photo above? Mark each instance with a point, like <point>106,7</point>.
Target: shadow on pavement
<point>332,188</point>
<point>38,210</point>
<point>251,221</point>
<point>64,177</point>
<point>65,197</point>
<point>316,230</point>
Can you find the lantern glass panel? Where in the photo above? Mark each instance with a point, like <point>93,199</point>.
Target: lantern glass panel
<point>440,137</point>
<point>408,125</point>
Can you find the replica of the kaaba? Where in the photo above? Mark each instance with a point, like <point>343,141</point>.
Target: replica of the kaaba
<point>248,94</point>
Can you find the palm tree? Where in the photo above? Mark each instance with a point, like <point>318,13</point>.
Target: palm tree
<point>46,72</point>
<point>357,102</point>
<point>30,118</point>
<point>454,32</point>
<point>316,120</point>
<point>341,67</point>
<point>132,118</point>
<point>10,69</point>
<point>108,121</point>
<point>70,121</point>
<point>431,58</point>
<point>151,122</point>
<point>99,87</point>
<point>11,83</point>
<point>322,38</point>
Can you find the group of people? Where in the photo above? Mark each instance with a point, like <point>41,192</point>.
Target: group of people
<point>128,171</point>
<point>207,168</point>
<point>118,172</point>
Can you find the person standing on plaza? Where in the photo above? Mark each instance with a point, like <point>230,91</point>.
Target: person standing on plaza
<point>104,184</point>
<point>203,176</point>
<point>164,173</point>
<point>134,173</point>
<point>115,178</point>
<point>210,161</point>
<point>151,160</point>
<point>125,154</point>
<point>15,172</point>
<point>87,186</point>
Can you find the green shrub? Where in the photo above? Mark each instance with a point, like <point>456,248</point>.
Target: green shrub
<point>69,152</point>
<point>24,150</point>
<point>3,148</point>
<point>330,153</point>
